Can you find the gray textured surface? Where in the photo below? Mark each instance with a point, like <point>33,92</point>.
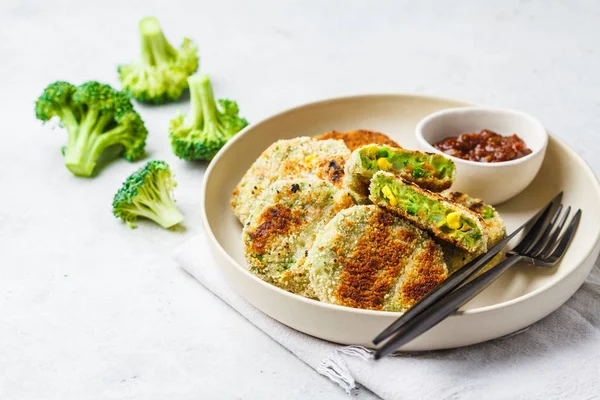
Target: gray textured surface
<point>92,310</point>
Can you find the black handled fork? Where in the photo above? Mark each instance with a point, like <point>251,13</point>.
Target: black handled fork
<point>544,247</point>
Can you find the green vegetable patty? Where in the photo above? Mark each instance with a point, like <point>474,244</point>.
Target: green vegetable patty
<point>442,217</point>
<point>496,231</point>
<point>367,257</point>
<point>279,233</point>
<point>290,159</point>
<point>430,171</point>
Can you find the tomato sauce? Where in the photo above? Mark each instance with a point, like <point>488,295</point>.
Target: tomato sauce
<point>485,146</point>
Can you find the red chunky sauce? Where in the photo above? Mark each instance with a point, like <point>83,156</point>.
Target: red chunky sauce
<point>485,146</point>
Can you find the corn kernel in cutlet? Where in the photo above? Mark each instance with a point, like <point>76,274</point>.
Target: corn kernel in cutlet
<point>309,158</point>
<point>453,220</point>
<point>387,192</point>
<point>384,164</point>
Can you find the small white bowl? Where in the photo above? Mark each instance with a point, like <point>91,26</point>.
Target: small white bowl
<point>497,182</point>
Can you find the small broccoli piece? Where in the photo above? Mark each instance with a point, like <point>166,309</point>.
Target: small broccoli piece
<point>147,193</point>
<point>208,126</point>
<point>161,75</point>
<point>95,116</point>
<point>487,212</point>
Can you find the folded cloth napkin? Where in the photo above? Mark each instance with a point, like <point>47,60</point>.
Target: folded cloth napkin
<point>558,357</point>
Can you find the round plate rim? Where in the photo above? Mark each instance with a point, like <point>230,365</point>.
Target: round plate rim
<point>505,304</point>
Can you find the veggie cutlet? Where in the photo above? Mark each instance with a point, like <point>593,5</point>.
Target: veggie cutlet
<point>367,257</point>
<point>496,231</point>
<point>355,139</point>
<point>287,217</point>
<point>439,215</point>
<point>285,159</point>
<point>431,171</point>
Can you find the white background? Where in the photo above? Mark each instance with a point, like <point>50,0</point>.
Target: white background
<point>90,309</point>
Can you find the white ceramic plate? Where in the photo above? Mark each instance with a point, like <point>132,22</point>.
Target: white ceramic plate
<point>521,297</point>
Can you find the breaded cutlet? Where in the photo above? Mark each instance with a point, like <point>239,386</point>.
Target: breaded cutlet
<point>279,233</point>
<point>358,138</point>
<point>496,231</point>
<point>442,217</point>
<point>288,159</point>
<point>367,257</point>
<point>428,170</point>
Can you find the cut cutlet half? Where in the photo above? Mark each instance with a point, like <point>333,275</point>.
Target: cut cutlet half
<point>430,171</point>
<point>441,216</point>
<point>457,258</point>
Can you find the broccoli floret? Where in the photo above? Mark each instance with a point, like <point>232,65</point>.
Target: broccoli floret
<point>147,193</point>
<point>161,75</point>
<point>95,116</point>
<point>208,126</point>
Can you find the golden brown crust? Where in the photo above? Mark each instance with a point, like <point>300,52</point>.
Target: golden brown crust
<point>374,266</point>
<point>288,159</point>
<point>274,221</point>
<point>332,171</point>
<point>471,203</point>
<point>455,195</point>
<point>477,207</point>
<point>425,277</point>
<point>358,138</point>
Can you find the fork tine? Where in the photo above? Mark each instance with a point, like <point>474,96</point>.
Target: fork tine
<point>552,238</point>
<point>536,229</point>
<point>566,238</point>
<point>543,241</point>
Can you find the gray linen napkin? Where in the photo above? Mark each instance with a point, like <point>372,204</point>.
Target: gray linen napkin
<point>558,357</point>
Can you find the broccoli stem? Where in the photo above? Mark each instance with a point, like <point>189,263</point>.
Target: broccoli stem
<point>78,162</point>
<point>69,121</point>
<point>161,210</point>
<point>101,141</point>
<point>155,47</point>
<point>88,122</point>
<point>67,117</point>
<point>77,157</point>
<point>85,147</point>
<point>204,115</point>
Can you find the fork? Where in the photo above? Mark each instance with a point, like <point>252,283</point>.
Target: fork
<point>541,246</point>
<point>535,224</point>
